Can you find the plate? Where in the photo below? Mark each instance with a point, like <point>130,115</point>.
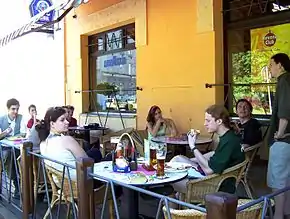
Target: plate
<point>175,167</point>
<point>16,138</point>
<point>138,178</point>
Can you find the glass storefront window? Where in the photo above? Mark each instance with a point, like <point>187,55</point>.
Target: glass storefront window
<point>113,64</point>
<point>249,52</point>
<point>118,69</point>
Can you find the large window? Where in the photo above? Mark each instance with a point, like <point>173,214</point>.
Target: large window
<point>113,68</point>
<point>252,36</point>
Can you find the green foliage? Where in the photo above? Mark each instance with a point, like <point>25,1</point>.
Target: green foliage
<point>106,89</point>
<point>247,67</point>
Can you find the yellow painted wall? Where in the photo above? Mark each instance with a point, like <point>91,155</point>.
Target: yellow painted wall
<point>179,49</point>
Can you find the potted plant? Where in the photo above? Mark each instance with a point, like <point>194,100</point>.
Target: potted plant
<point>106,88</point>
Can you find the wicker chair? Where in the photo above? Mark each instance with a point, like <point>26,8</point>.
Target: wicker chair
<point>253,212</point>
<point>40,189</point>
<point>105,140</point>
<point>99,193</point>
<point>198,188</point>
<point>250,155</point>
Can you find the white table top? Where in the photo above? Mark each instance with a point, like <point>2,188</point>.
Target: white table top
<point>16,144</point>
<point>104,169</point>
<point>199,141</point>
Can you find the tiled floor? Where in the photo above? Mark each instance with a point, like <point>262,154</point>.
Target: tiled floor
<point>149,207</point>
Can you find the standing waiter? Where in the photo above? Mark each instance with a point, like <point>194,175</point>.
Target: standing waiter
<point>279,135</point>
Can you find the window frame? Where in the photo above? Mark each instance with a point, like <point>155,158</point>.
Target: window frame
<point>94,54</point>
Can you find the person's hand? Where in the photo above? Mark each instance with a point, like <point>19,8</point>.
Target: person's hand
<point>8,130</point>
<point>192,139</point>
<point>34,117</point>
<point>278,135</point>
<point>161,121</point>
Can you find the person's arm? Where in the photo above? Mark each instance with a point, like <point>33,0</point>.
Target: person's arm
<point>173,129</point>
<point>5,133</point>
<point>72,145</point>
<point>153,130</point>
<point>203,162</point>
<point>220,160</point>
<point>283,108</point>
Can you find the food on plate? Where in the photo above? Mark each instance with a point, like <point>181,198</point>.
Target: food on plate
<point>194,131</point>
<point>15,138</point>
<point>138,178</point>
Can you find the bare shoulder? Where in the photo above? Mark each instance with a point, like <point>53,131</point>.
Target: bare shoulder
<point>68,139</point>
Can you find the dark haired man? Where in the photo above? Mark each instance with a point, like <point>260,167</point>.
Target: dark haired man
<point>33,112</point>
<point>12,124</point>
<point>72,121</point>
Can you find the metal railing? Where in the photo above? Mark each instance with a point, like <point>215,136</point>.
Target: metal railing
<point>85,191</point>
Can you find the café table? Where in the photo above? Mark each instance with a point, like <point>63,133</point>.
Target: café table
<point>87,130</point>
<point>181,141</point>
<point>104,169</point>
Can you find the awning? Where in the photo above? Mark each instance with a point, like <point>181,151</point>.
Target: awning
<point>65,5</point>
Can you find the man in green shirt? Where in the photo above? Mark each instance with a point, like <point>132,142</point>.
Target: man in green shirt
<point>279,135</point>
<point>227,154</point>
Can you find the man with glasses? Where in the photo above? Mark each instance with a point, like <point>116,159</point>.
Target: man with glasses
<point>12,124</point>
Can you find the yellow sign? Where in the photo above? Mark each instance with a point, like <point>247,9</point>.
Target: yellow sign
<point>273,39</point>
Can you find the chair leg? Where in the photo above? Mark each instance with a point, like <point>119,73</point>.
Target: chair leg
<point>111,209</point>
<point>247,188</point>
<point>53,202</point>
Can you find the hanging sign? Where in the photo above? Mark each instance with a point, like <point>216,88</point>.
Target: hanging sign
<point>37,6</point>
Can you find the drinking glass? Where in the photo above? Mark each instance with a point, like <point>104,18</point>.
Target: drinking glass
<point>152,156</point>
<point>161,151</point>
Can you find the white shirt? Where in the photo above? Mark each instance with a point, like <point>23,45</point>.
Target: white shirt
<point>53,149</point>
<point>13,123</point>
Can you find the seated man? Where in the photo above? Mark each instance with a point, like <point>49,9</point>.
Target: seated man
<point>12,124</point>
<point>72,121</point>
<point>33,112</point>
<point>227,154</point>
<point>247,127</point>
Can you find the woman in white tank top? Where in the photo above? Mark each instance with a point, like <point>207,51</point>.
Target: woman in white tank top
<point>57,146</point>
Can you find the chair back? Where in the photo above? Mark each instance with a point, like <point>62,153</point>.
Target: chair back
<point>250,153</point>
<point>55,178</point>
<point>253,212</point>
<point>198,188</point>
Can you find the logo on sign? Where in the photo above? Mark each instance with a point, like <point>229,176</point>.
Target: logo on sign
<point>38,6</point>
<point>270,39</point>
<point>115,61</point>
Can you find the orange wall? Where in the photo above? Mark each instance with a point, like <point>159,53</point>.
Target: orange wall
<point>179,49</point>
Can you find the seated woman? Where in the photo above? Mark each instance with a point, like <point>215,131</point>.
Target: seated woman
<point>248,128</point>
<point>227,154</point>
<point>159,126</point>
<point>60,147</point>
